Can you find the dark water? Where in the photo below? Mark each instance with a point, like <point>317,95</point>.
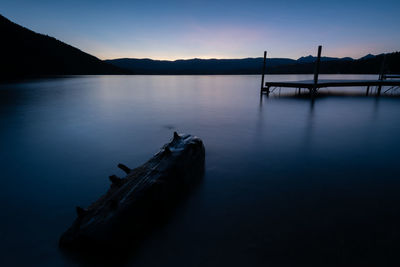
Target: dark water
<point>286,182</point>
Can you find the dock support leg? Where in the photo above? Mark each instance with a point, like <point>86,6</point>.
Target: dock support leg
<point>381,74</point>
<point>316,72</point>
<point>263,71</point>
<point>367,91</point>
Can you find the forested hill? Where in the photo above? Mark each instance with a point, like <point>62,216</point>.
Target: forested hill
<point>25,53</point>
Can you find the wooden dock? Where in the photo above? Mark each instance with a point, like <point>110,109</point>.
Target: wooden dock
<point>391,80</point>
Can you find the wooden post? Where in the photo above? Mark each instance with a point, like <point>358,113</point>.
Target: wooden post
<point>381,74</point>
<point>316,71</point>
<point>263,71</point>
<point>367,90</point>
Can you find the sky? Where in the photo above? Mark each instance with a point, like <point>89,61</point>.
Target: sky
<point>162,29</point>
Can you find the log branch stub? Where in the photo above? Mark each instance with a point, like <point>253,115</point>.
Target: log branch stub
<point>123,167</point>
<point>176,136</point>
<point>115,180</point>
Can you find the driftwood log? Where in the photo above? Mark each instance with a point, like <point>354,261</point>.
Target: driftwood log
<point>133,203</point>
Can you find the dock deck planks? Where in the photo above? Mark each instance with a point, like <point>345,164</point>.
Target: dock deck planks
<point>309,84</point>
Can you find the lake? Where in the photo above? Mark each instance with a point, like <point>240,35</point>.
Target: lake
<point>287,181</point>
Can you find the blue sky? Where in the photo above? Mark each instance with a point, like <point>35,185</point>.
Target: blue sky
<point>214,29</point>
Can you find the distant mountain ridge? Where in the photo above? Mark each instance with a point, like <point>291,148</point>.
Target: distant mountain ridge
<point>368,64</point>
<point>310,59</point>
<point>196,66</point>
<point>25,53</point>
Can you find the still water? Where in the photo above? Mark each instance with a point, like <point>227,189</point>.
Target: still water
<point>287,181</point>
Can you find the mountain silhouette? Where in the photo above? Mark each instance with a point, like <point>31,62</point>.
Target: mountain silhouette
<point>197,66</point>
<point>329,65</point>
<point>29,54</point>
<point>310,59</point>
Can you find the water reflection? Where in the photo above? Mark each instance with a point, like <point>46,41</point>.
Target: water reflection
<point>288,181</point>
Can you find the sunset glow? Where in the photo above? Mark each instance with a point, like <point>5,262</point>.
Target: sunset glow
<point>227,29</point>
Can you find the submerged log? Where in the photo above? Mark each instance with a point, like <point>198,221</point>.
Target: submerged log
<point>134,202</point>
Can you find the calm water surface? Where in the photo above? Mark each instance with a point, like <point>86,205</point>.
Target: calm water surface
<point>287,182</point>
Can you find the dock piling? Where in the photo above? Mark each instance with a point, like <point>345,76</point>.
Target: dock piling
<point>316,71</point>
<point>381,74</point>
<point>263,71</point>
